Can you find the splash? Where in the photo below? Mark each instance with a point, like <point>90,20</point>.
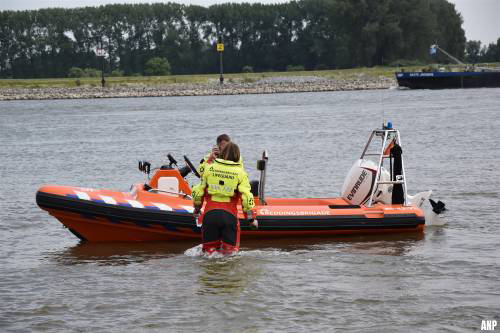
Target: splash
<point>197,251</point>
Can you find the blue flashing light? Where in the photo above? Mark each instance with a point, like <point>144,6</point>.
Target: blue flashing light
<point>389,125</point>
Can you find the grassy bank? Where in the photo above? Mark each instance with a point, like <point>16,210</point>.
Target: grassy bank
<point>354,73</point>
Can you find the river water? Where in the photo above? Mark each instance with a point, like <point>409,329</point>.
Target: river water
<point>444,280</point>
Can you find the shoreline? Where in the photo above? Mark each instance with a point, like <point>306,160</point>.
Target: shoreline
<point>212,88</point>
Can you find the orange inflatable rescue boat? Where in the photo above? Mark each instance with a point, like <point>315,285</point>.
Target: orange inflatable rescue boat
<point>373,200</point>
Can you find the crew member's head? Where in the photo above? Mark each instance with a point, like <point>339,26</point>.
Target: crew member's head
<point>231,152</point>
<point>222,141</point>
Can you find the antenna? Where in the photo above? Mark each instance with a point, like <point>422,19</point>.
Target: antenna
<point>382,110</point>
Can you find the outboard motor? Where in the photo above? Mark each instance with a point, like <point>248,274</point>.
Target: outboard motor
<point>359,182</point>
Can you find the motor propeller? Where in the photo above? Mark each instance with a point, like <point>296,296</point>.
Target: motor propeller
<point>437,207</point>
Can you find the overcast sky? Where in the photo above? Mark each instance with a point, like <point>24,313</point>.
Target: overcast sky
<point>481,17</point>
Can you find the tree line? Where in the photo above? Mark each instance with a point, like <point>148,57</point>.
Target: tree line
<point>313,34</point>
<point>475,53</point>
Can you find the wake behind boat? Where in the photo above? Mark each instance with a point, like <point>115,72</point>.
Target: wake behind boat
<point>374,200</point>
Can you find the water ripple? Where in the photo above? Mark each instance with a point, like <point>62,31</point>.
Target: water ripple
<point>444,280</point>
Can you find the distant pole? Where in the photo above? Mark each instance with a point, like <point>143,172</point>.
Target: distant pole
<point>103,82</point>
<point>101,53</point>
<point>220,49</point>
<point>221,78</point>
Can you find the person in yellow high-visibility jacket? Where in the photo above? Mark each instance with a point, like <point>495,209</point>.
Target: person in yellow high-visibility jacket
<point>223,184</point>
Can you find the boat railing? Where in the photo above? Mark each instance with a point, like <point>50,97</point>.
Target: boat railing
<point>388,134</point>
<point>262,167</point>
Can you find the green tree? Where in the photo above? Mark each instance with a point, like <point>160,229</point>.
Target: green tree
<point>491,53</point>
<point>157,66</point>
<point>472,51</point>
<point>75,72</point>
<point>309,33</point>
<point>91,72</point>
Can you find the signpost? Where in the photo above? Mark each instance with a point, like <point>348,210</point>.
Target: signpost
<point>220,49</point>
<point>101,53</point>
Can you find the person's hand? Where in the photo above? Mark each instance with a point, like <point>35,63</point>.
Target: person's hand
<point>215,152</point>
<point>254,224</point>
<point>197,210</point>
<point>196,214</point>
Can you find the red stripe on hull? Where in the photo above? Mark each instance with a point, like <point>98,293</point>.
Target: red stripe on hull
<point>102,230</point>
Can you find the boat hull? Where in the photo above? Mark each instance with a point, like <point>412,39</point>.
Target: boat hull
<point>140,216</point>
<point>445,80</point>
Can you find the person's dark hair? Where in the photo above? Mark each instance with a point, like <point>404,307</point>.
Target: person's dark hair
<point>223,137</point>
<point>231,152</point>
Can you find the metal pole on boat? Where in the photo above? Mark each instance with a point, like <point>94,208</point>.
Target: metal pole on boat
<point>379,167</point>
<point>405,192</point>
<point>262,166</point>
<point>367,145</point>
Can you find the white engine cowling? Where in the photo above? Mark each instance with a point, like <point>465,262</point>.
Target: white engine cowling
<point>359,183</point>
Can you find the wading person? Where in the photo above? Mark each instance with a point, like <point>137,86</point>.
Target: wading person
<point>223,184</point>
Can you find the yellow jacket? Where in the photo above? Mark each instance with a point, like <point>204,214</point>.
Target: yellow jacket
<point>221,179</point>
<point>204,163</point>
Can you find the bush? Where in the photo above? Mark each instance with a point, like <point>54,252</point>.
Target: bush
<point>91,72</point>
<point>78,82</point>
<point>117,72</point>
<point>294,68</point>
<point>157,66</point>
<point>75,72</point>
<point>247,69</point>
<point>405,62</point>
<point>321,67</point>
